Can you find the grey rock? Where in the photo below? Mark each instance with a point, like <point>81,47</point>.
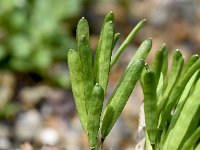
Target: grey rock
<point>27,125</point>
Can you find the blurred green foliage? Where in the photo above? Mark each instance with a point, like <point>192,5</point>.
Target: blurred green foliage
<point>8,111</point>
<point>36,34</point>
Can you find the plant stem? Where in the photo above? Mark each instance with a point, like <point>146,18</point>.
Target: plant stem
<point>100,147</point>
<point>101,144</point>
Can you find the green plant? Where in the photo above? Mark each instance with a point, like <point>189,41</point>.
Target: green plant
<point>89,80</point>
<point>171,103</point>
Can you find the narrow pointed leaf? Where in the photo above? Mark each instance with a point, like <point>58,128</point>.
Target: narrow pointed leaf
<point>77,82</point>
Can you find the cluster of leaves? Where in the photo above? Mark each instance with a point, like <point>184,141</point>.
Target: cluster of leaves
<point>172,102</point>
<point>32,37</point>
<point>90,79</point>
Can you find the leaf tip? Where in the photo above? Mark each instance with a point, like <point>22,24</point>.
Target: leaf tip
<point>144,20</point>
<point>111,12</point>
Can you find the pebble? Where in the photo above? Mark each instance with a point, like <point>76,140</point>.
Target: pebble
<point>27,125</point>
<point>4,143</point>
<point>49,136</point>
<point>30,96</point>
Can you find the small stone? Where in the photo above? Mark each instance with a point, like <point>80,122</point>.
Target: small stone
<point>4,143</point>
<point>30,96</point>
<point>26,146</point>
<point>49,136</point>
<point>27,125</point>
